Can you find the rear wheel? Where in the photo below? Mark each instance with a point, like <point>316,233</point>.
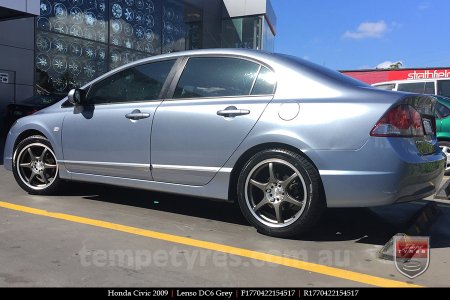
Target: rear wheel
<point>279,193</point>
<point>35,168</point>
<point>445,147</point>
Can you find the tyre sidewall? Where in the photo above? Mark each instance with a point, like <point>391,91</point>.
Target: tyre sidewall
<point>24,143</point>
<point>312,202</point>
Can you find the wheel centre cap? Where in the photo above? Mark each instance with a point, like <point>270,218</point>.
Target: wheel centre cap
<point>38,166</point>
<point>275,194</point>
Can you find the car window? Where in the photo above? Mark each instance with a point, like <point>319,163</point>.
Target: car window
<point>442,110</point>
<point>265,83</point>
<point>140,83</point>
<point>216,77</point>
<point>387,87</point>
<point>417,87</point>
<point>444,87</point>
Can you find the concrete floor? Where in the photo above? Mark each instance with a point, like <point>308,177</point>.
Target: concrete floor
<point>41,251</point>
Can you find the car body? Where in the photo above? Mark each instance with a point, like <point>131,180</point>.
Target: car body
<point>433,86</point>
<point>29,106</point>
<point>239,125</point>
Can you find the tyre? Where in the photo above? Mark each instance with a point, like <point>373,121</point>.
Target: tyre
<point>445,147</point>
<point>279,192</point>
<point>34,166</point>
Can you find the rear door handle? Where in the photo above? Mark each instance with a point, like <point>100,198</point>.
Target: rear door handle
<point>232,111</point>
<point>137,115</point>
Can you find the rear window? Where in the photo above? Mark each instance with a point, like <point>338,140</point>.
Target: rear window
<point>417,87</point>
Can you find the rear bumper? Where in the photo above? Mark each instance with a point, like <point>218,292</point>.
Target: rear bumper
<point>384,171</point>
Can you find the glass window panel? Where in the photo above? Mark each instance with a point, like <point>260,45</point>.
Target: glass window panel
<point>181,25</point>
<point>139,83</point>
<point>64,62</point>
<point>444,87</point>
<point>265,84</point>
<point>85,19</point>
<point>417,87</point>
<point>136,25</point>
<point>216,77</point>
<point>242,33</point>
<point>122,56</point>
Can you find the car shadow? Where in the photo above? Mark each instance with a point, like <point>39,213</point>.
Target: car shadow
<point>374,226</point>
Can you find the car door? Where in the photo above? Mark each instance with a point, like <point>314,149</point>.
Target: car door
<point>111,135</point>
<point>215,104</point>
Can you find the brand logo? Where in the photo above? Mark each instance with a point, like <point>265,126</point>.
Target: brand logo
<point>429,74</point>
<point>412,255</point>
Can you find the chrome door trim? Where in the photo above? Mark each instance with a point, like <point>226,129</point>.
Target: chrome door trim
<point>107,165</point>
<point>192,168</point>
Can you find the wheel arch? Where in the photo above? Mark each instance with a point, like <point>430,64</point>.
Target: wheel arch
<point>27,133</point>
<point>243,159</point>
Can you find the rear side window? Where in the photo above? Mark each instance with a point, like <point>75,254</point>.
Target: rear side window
<point>444,87</point>
<point>216,77</point>
<point>442,110</point>
<point>417,87</point>
<point>140,83</point>
<point>265,83</point>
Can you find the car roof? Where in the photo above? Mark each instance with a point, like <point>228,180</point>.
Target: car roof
<point>266,58</point>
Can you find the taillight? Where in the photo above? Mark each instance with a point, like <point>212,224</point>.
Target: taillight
<point>400,121</point>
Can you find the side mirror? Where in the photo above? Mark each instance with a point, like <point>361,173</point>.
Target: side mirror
<point>77,97</point>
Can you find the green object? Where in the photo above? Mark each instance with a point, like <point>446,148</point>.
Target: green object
<point>443,118</point>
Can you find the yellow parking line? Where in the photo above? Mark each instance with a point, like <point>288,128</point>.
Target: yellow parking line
<point>280,260</point>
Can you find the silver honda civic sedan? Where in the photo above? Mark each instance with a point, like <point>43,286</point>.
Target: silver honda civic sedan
<point>281,136</point>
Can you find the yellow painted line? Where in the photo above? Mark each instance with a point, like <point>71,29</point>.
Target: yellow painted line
<point>280,260</point>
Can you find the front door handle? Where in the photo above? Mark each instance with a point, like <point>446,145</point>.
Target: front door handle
<point>232,111</point>
<point>137,115</point>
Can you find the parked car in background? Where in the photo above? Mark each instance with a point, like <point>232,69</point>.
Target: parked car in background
<point>283,137</point>
<point>28,106</point>
<point>437,86</point>
<point>443,127</point>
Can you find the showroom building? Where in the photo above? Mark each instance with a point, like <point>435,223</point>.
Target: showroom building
<point>51,46</point>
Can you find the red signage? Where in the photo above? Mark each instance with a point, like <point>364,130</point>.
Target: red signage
<point>375,76</point>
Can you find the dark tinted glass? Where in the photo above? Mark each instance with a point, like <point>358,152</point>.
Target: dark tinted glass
<point>139,83</point>
<point>417,87</point>
<point>444,88</point>
<point>442,110</point>
<point>429,88</point>
<point>265,84</point>
<point>216,77</point>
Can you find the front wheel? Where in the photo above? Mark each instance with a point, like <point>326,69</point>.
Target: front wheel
<point>279,193</point>
<point>35,168</point>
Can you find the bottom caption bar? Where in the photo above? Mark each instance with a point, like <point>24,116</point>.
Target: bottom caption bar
<point>224,293</point>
